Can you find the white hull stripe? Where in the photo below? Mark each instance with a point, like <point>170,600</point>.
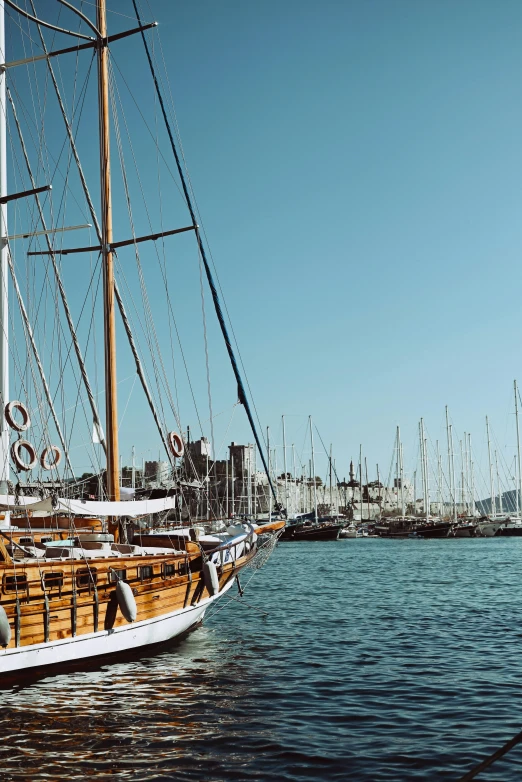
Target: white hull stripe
<point>119,639</point>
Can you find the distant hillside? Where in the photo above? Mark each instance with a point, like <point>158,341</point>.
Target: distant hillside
<point>509,503</point>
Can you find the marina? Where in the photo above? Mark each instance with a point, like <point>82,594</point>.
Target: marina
<point>395,679</point>
<point>260,512</point>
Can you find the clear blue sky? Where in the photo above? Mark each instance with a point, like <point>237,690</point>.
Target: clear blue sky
<point>358,166</point>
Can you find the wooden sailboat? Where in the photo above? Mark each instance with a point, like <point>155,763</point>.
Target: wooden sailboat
<point>71,588</point>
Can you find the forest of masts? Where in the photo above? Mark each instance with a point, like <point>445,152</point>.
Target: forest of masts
<point>445,482</point>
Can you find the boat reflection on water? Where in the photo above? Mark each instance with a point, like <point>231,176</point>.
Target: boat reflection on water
<point>128,719</point>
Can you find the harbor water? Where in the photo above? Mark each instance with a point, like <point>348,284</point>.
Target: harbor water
<point>375,660</point>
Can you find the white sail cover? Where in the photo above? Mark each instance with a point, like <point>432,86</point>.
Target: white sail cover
<point>10,502</point>
<point>88,507</point>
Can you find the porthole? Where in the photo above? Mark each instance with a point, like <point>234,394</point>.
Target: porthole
<point>117,575</point>
<point>53,580</point>
<point>86,577</point>
<point>15,583</point>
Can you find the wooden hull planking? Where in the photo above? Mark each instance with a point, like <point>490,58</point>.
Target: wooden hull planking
<point>76,619</point>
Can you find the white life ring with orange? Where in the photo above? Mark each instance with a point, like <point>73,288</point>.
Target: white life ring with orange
<point>9,417</point>
<point>51,450</point>
<point>176,444</point>
<point>16,449</point>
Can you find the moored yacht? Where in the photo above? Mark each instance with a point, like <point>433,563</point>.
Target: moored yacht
<point>512,528</point>
<point>348,532</point>
<point>311,530</point>
<point>488,527</point>
<point>464,528</point>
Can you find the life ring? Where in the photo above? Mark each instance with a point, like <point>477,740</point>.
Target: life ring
<point>9,417</point>
<point>17,458</point>
<point>49,451</point>
<point>176,444</point>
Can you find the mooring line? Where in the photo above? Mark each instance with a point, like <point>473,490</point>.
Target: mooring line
<point>244,603</point>
<point>491,759</point>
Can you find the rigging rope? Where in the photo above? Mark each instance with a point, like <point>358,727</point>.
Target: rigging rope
<point>197,211</point>
<point>31,337</point>
<point>240,387</point>
<point>57,332</point>
<point>58,278</point>
<point>150,331</point>
<point>123,313</point>
<point>492,758</point>
<point>164,258</point>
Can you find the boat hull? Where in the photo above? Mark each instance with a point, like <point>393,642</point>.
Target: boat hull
<point>78,604</point>
<point>510,532</point>
<point>489,529</point>
<point>119,639</point>
<point>464,532</point>
<point>434,531</point>
<point>330,532</point>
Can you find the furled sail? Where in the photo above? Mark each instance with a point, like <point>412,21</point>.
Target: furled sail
<point>88,507</point>
<point>12,503</point>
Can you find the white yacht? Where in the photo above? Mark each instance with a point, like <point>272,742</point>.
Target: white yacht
<point>348,532</point>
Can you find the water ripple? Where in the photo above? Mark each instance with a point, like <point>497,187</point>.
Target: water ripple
<point>379,660</point>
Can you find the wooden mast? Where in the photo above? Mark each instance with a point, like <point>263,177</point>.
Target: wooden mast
<point>111,402</point>
<point>4,299</point>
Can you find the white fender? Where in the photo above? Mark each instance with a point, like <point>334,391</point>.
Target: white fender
<point>210,577</point>
<point>126,601</point>
<point>5,628</point>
